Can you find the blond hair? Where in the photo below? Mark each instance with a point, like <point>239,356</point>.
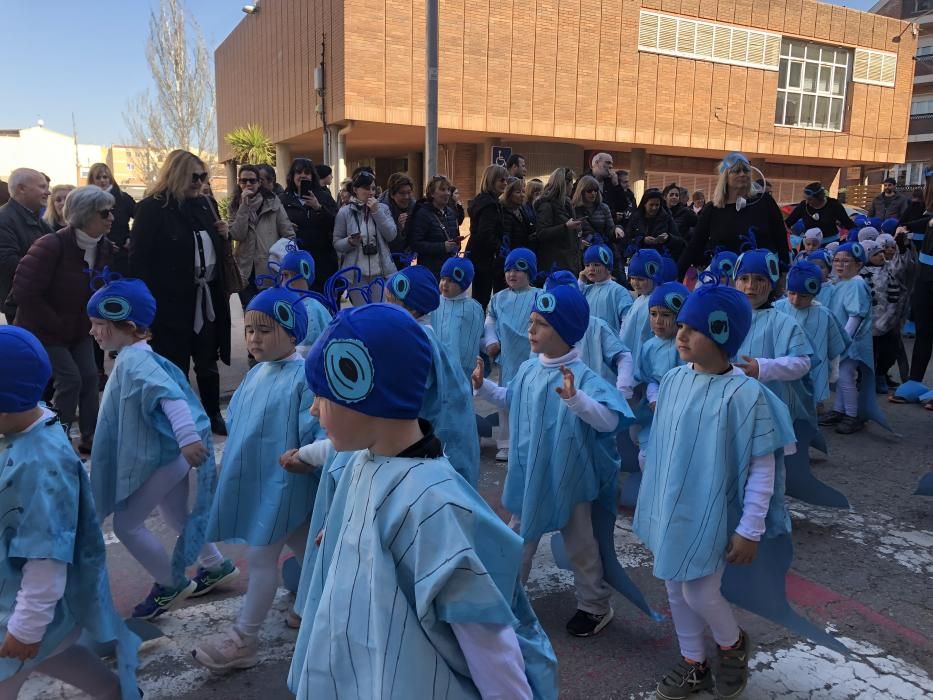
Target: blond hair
<point>587,182</point>
<point>95,169</point>
<point>557,187</point>
<point>533,189</point>
<point>491,175</point>
<point>51,217</point>
<point>721,191</point>
<point>174,176</point>
<point>515,184</point>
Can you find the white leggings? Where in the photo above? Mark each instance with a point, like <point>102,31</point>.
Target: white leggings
<point>167,490</point>
<point>264,579</point>
<point>502,440</point>
<point>75,665</point>
<point>847,388</point>
<point>696,604</point>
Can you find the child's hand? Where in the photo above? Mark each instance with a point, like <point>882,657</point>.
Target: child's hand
<point>14,649</point>
<point>492,350</point>
<point>568,390</point>
<point>477,376</point>
<point>290,462</point>
<point>750,366</point>
<point>653,405</point>
<point>741,550</point>
<point>195,454</point>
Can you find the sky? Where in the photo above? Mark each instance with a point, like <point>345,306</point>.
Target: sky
<point>89,57</point>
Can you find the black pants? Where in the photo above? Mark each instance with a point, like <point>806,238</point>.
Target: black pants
<point>922,306</point>
<point>181,349</point>
<point>885,349</point>
<point>482,284</point>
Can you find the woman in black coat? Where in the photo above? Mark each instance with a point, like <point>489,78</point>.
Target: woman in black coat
<point>486,231</point>
<point>652,226</point>
<point>518,228</point>
<point>433,232</point>
<point>123,209</point>
<point>173,226</point>
<point>313,216</point>
<point>684,217</point>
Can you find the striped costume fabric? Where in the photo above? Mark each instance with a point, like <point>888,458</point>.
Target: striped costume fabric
<point>828,338</point>
<point>636,328</point>
<point>852,298</point>
<point>609,301</point>
<point>600,349</point>
<point>510,311</point>
<point>458,324</point>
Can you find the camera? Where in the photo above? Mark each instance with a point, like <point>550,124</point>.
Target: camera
<point>370,249</point>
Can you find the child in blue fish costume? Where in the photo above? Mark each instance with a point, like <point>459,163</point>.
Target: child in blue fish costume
<point>708,482</point>
<point>458,320</point>
<point>53,568</point>
<point>608,299</point>
<point>258,502</point>
<point>296,271</point>
<point>563,458</point>
<point>644,270</point>
<point>505,336</point>
<point>723,265</point>
<point>447,400</point>
<point>414,590</point>
<point>151,431</point>
<point>823,259</point>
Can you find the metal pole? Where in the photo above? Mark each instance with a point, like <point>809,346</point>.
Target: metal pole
<point>430,96</point>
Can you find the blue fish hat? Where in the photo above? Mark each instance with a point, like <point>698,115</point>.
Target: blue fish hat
<point>523,260</point>
<point>758,262</point>
<point>415,287</point>
<point>875,222</point>
<point>599,254</point>
<point>356,362</point>
<point>566,309</point>
<point>733,159</point>
<point>559,277</point>
<point>669,270</point>
<point>299,262</point>
<point>723,264</point>
<point>122,300</point>
<point>646,263</point>
<point>804,278</point>
<point>670,295</point>
<point>798,228</point>
<point>860,220</point>
<point>889,226</point>
<point>460,270</point>
<point>284,307</point>
<point>720,312</point>
<point>24,372</point>
<point>855,249</point>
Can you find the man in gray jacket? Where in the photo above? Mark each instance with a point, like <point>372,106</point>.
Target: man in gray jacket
<point>20,225</point>
<point>889,204</point>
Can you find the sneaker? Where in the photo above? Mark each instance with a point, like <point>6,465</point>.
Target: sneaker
<point>684,680</point>
<point>86,445</point>
<point>584,624</point>
<point>849,425</point>
<point>227,651</point>
<point>205,581</point>
<point>161,599</point>
<point>502,456</point>
<point>881,384</point>
<point>733,669</point>
<point>831,418</point>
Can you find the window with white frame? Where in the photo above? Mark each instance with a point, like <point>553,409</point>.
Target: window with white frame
<point>812,82</point>
<point>921,107</point>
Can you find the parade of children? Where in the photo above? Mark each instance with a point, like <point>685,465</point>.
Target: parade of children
<point>401,476</point>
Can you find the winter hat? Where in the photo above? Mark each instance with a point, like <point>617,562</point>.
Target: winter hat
<point>646,263</point>
<point>886,240</point>
<point>868,233</point>
<point>814,189</point>
<point>870,248</point>
<point>832,247</point>
<point>723,263</point>
<point>889,225</point>
<point>415,287</point>
<point>856,250</point>
<point>860,220</point>
<point>669,270</point>
<point>670,295</point>
<point>123,300</point>
<point>875,222</point>
<point>460,270</point>
<point>566,309</point>
<point>721,313</point>
<point>804,278</point>
<point>523,260</point>
<point>813,234</point>
<point>824,256</point>
<point>798,228</point>
<point>758,262</point>
<point>24,372</point>
<point>559,277</point>
<point>600,254</point>
<point>299,262</point>
<point>356,362</point>
<point>284,307</point>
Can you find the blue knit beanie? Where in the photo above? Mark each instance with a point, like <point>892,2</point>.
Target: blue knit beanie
<point>24,371</point>
<point>723,264</point>
<point>646,263</point>
<point>566,309</point>
<point>284,307</point>
<point>669,270</point>
<point>123,300</point>
<point>559,277</point>
<point>670,295</point>
<point>804,278</point>
<point>299,262</point>
<point>721,313</point>
<point>523,260</point>
<point>758,262</point>
<point>460,270</point>
<point>373,359</point>
<point>415,287</point>
<point>600,254</point>
<point>824,256</point>
<point>854,249</point>
<point>889,226</point>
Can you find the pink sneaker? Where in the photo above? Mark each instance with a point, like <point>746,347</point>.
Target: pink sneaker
<point>227,651</point>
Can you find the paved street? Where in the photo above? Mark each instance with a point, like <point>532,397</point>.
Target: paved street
<point>865,574</point>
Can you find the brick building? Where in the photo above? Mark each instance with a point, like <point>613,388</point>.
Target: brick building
<point>810,91</point>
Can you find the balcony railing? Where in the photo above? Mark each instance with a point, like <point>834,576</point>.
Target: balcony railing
<point>920,124</point>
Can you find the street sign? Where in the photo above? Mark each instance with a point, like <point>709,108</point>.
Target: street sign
<point>501,154</point>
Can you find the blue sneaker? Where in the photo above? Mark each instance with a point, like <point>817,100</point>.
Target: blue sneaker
<point>161,599</point>
<point>205,581</point>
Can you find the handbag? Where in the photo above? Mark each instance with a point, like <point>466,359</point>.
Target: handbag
<point>233,280</point>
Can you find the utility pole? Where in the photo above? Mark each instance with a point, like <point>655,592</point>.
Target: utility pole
<point>430,96</point>
<point>74,133</point>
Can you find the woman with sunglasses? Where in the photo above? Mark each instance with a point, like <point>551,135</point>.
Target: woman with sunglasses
<point>177,247</point>
<point>51,288</point>
<point>738,206</point>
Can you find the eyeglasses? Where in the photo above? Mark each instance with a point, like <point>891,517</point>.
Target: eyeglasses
<point>195,177</point>
<point>248,181</point>
<point>106,213</point>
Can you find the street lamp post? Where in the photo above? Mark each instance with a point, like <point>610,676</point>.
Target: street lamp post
<point>430,98</point>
